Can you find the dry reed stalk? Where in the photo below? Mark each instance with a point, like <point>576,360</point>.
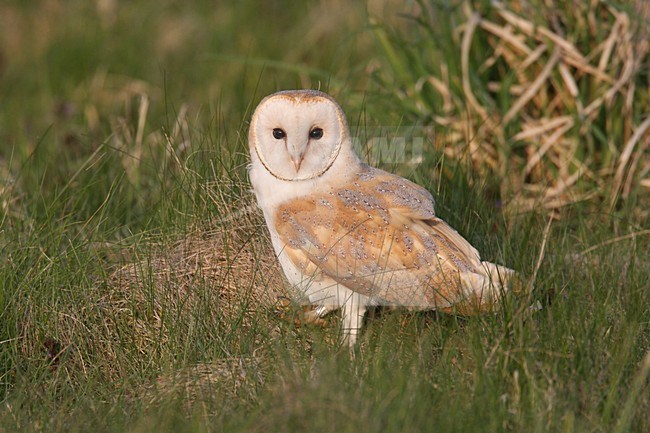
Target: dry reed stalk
<point>639,132</point>
<point>467,88</point>
<point>533,88</point>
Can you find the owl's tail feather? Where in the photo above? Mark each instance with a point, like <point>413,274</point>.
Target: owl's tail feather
<point>483,290</point>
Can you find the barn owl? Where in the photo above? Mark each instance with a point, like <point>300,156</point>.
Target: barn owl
<point>349,236</point>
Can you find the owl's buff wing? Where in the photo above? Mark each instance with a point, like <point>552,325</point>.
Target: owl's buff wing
<point>380,237</point>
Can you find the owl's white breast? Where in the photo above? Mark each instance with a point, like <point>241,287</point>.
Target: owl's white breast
<point>272,192</point>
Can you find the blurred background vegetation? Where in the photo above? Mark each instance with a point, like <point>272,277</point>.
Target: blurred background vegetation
<point>132,299</point>
<point>81,76</point>
<point>554,103</point>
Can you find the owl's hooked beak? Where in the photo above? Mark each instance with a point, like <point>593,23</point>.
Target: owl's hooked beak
<point>297,154</point>
<point>297,161</point>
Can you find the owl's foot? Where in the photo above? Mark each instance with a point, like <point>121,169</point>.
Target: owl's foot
<point>316,314</point>
<point>307,315</point>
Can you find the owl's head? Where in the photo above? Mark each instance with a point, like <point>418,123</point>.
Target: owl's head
<point>298,134</point>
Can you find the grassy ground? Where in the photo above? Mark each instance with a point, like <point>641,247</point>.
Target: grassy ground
<point>138,289</point>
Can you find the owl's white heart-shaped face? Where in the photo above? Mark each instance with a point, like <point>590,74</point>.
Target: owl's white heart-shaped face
<point>298,135</point>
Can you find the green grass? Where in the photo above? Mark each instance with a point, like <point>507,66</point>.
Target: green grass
<point>123,133</point>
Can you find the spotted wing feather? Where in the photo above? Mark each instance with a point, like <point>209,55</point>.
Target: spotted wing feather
<point>380,237</point>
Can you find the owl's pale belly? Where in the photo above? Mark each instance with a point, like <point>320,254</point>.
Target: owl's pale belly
<point>320,290</point>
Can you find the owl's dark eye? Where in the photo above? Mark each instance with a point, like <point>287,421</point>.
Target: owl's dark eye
<point>278,133</point>
<point>316,133</point>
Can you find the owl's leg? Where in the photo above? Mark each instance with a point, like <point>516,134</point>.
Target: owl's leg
<point>353,311</point>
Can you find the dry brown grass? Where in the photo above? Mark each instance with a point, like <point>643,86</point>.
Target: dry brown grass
<point>548,103</point>
<point>240,273</point>
<point>551,98</point>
